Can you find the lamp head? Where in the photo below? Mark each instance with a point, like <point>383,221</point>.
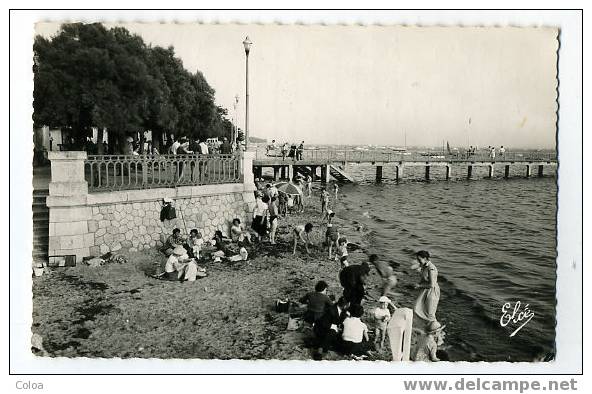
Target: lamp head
<point>247,44</point>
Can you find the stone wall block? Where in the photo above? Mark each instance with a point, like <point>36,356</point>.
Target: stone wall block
<point>72,242</point>
<point>71,228</point>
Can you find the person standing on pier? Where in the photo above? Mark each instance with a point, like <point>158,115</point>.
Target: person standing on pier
<point>427,301</point>
<point>300,150</point>
<point>502,151</point>
<point>284,151</point>
<point>492,153</point>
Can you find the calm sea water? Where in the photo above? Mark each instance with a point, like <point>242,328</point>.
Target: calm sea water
<point>493,241</point>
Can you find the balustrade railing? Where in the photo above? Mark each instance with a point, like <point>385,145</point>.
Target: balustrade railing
<point>125,172</point>
<point>382,156</point>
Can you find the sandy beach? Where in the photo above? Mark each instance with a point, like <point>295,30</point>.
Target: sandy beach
<point>118,310</point>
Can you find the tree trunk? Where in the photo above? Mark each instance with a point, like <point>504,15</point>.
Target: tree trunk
<point>100,147</point>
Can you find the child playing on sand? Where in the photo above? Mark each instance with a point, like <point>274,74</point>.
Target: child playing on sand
<point>332,234</point>
<point>427,345</point>
<point>309,185</point>
<point>273,218</point>
<point>194,243</point>
<point>283,204</point>
<point>317,301</point>
<point>299,232</point>
<point>324,201</point>
<point>238,233</point>
<point>341,253</point>
<point>355,332</point>
<point>382,315</point>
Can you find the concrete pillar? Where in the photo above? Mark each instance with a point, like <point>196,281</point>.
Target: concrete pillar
<point>325,173</point>
<point>378,174</point>
<point>448,172</point>
<point>248,172</point>
<point>399,172</point>
<point>528,168</point>
<point>469,172</point>
<point>507,171</point>
<point>313,173</point>
<point>427,173</point>
<point>283,172</point>
<point>69,233</point>
<point>490,172</point>
<point>540,170</point>
<point>276,173</point>
<point>399,329</point>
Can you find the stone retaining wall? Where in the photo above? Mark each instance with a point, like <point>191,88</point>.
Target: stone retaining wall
<point>137,225</point>
<point>90,224</point>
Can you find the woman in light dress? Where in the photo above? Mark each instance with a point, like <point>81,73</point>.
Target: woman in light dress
<point>427,301</point>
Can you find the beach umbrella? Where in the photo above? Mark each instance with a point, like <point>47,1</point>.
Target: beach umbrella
<point>290,188</point>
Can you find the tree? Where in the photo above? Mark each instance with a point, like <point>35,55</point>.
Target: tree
<point>89,76</point>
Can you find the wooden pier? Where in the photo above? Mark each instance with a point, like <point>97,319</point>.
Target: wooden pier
<point>323,164</point>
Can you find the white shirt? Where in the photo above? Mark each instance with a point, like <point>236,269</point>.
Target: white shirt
<point>174,147</point>
<point>380,313</point>
<point>175,263</point>
<point>353,330</point>
<point>260,208</point>
<point>204,148</point>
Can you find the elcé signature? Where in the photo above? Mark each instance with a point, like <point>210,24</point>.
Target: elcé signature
<point>515,315</point>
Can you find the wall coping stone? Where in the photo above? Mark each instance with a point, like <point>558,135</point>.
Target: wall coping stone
<point>66,155</point>
<point>144,195</point>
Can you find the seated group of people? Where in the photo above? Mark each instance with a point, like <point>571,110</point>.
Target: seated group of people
<point>338,326</point>
<point>184,252</point>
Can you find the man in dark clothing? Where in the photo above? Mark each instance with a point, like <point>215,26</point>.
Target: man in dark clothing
<point>317,301</point>
<point>300,151</point>
<point>225,148</point>
<point>353,278</point>
<point>326,329</point>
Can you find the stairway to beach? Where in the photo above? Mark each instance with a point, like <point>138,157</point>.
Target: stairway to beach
<point>40,225</point>
<point>339,174</point>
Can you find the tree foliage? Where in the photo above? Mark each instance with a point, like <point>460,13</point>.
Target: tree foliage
<point>90,76</point>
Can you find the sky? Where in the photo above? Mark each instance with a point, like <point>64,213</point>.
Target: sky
<point>380,85</point>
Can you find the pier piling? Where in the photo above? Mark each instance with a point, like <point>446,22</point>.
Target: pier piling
<point>540,170</point>
<point>507,171</point>
<point>398,172</point>
<point>378,174</point>
<point>325,174</point>
<point>490,172</point>
<point>276,173</point>
<point>469,172</point>
<point>448,169</point>
<point>528,170</point>
<point>427,173</point>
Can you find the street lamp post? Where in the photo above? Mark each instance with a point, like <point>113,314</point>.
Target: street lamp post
<point>247,44</point>
<point>234,121</point>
